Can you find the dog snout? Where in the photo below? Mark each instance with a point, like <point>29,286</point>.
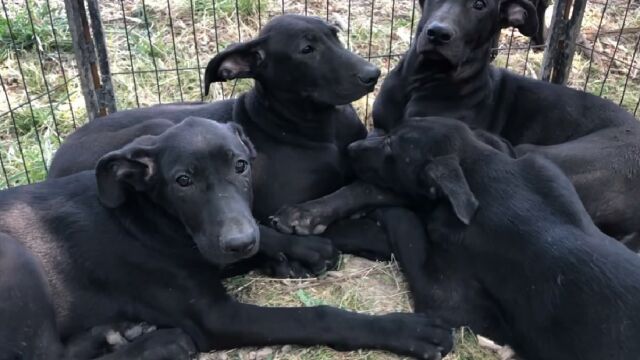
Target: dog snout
<point>239,237</point>
<point>240,244</point>
<point>369,76</point>
<point>439,34</point>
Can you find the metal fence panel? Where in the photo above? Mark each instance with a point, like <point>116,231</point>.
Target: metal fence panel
<point>157,50</point>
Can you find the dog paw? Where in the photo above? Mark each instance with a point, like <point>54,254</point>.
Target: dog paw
<point>418,336</point>
<point>164,344</point>
<point>301,219</point>
<point>304,257</point>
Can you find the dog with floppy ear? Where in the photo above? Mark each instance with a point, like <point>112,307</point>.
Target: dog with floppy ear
<point>511,251</point>
<point>452,41</point>
<point>447,73</point>
<point>144,238</point>
<point>298,115</point>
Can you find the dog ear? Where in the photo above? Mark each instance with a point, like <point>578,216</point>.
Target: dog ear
<point>237,129</point>
<point>236,62</point>
<point>520,14</point>
<point>445,175</point>
<point>121,171</point>
<point>421,3</point>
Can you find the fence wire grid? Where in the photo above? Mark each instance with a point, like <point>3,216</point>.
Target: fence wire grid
<point>158,50</point>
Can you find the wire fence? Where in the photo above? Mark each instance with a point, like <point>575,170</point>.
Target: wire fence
<point>157,50</point>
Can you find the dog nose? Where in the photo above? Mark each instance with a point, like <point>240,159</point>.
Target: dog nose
<point>439,34</point>
<point>369,76</point>
<point>241,244</point>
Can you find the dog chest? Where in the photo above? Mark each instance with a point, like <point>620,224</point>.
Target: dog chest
<point>289,175</point>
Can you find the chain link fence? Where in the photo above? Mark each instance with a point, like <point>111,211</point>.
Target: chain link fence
<point>139,53</point>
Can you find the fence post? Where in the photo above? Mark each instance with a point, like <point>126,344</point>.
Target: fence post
<point>564,31</point>
<point>98,96</point>
<point>107,98</point>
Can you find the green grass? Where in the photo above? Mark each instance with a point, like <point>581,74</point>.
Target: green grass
<point>28,38</point>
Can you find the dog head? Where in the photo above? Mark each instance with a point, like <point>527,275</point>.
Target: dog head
<point>299,56</point>
<point>198,171</point>
<point>452,31</point>
<point>422,158</point>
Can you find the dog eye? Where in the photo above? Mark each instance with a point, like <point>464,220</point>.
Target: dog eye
<point>184,180</point>
<point>241,166</point>
<point>479,4</point>
<point>307,50</point>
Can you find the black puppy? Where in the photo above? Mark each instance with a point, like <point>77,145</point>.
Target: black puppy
<point>512,253</point>
<point>297,116</point>
<point>144,238</point>
<point>447,73</point>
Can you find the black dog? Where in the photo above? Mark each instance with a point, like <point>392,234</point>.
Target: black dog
<point>144,238</point>
<point>447,73</point>
<point>295,116</point>
<point>512,253</point>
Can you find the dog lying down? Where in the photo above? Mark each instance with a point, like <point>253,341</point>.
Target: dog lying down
<point>512,253</point>
<point>143,238</point>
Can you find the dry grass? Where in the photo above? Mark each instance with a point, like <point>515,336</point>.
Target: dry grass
<point>29,136</point>
<point>359,285</point>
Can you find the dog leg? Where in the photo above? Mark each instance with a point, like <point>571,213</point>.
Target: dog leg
<point>313,217</point>
<point>409,243</point>
<point>230,325</point>
<point>363,237</point>
<point>164,344</point>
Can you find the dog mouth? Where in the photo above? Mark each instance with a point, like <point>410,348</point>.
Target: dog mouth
<point>371,86</point>
<point>437,61</point>
<point>433,54</point>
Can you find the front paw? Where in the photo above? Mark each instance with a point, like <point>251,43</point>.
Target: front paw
<point>301,219</point>
<point>418,336</point>
<point>304,257</point>
<point>164,344</point>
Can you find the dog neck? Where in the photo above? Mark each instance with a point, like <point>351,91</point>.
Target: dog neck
<point>438,89</point>
<point>290,117</point>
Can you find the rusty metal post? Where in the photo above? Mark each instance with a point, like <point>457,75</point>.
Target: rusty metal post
<point>564,30</point>
<point>98,98</point>
<point>106,97</point>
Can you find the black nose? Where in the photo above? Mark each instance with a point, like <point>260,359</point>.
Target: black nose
<point>369,76</point>
<point>439,34</point>
<point>239,244</point>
